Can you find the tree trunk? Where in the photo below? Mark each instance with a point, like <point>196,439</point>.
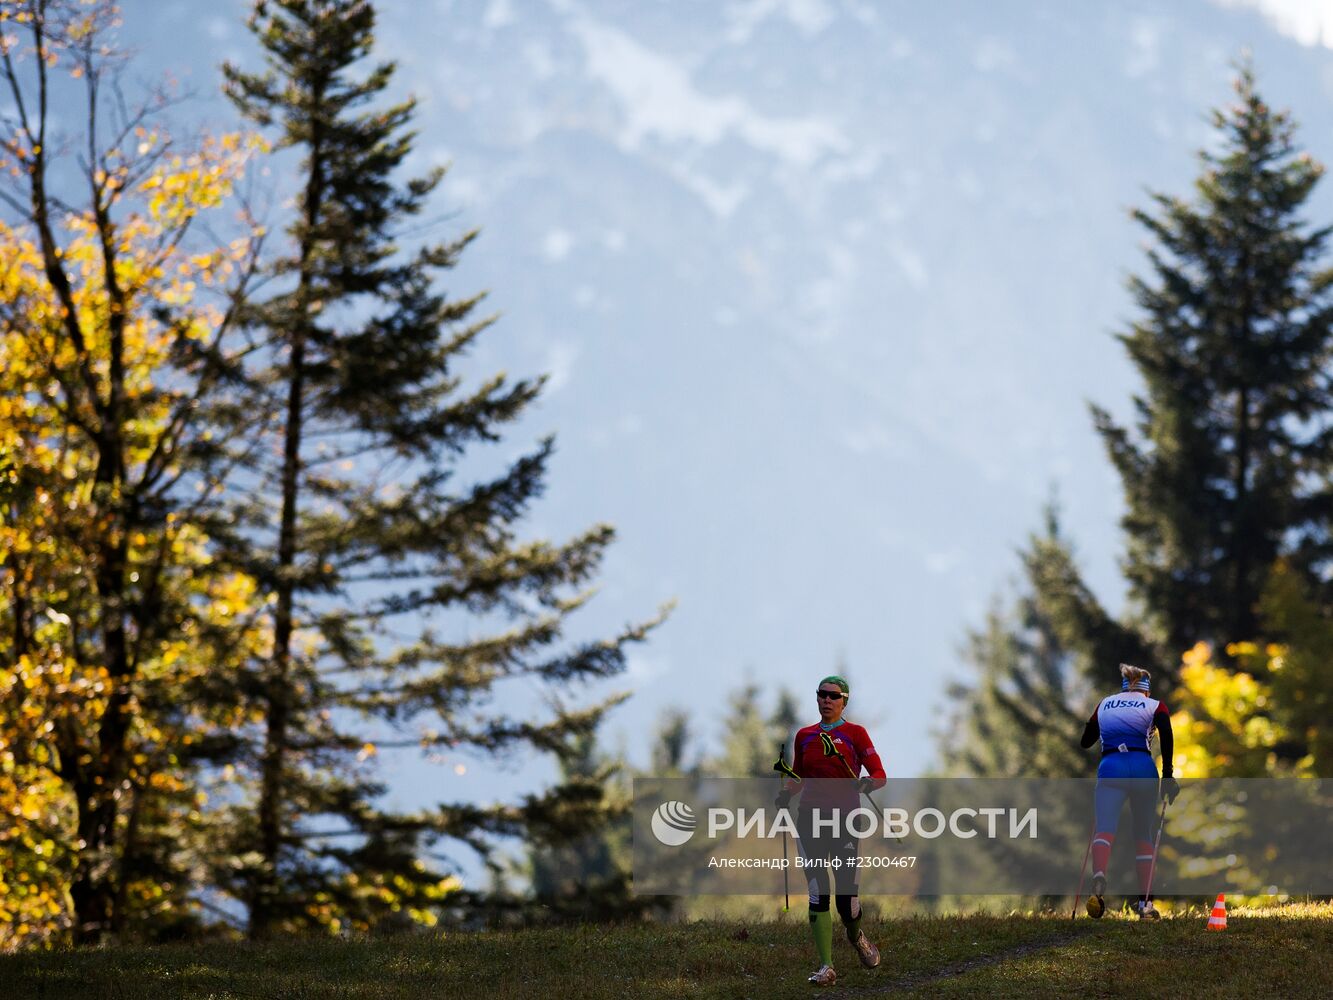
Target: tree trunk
<point>272,793</point>
<point>263,903</point>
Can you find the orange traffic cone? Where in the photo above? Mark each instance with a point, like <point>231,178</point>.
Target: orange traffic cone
<point>1217,920</point>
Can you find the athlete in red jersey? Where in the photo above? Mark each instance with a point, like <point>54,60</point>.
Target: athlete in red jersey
<point>830,756</point>
<point>854,751</point>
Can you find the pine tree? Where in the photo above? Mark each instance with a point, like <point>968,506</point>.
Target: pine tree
<point>741,743</point>
<point>671,746</point>
<point>580,865</point>
<point>1039,665</point>
<point>1226,469</point>
<point>1020,716</point>
<point>1227,465</point>
<point>750,737</point>
<point>377,550</point>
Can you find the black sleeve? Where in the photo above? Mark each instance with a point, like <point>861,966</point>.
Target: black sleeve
<point>1168,742</point>
<point>1092,732</point>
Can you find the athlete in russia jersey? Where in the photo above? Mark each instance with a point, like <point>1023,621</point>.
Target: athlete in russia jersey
<point>1124,723</point>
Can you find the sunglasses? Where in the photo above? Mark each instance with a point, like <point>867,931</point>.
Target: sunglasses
<point>835,695</point>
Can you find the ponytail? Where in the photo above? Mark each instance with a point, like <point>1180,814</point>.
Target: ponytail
<point>1134,678</point>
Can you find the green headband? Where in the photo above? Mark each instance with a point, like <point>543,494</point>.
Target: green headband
<point>835,679</point>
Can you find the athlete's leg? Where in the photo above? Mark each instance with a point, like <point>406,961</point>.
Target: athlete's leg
<point>815,853</point>
<point>847,877</point>
<point>849,909</point>
<point>821,928</point>
<point>1142,803</point>
<point>1109,799</point>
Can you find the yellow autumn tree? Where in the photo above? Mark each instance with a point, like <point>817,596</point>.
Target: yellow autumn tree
<point>1266,713</point>
<point>116,336</point>
<point>1224,721</point>
<point>35,810</point>
<point>1262,714</point>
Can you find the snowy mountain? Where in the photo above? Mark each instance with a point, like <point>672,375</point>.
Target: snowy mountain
<point>823,289</point>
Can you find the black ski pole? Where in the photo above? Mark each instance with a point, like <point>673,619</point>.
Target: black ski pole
<point>785,772</point>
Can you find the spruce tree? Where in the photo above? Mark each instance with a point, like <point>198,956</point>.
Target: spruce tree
<point>1226,467</point>
<point>672,742</point>
<point>579,863</point>
<point>749,736</point>
<point>1018,716</point>
<point>402,597</point>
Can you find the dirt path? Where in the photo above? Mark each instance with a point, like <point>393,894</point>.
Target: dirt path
<point>921,980</point>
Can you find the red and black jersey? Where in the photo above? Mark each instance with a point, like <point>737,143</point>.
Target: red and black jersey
<point>853,753</point>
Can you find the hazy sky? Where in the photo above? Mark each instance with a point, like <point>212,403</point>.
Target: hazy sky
<point>823,288</point>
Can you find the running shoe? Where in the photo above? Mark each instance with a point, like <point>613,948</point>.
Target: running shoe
<point>823,976</point>
<point>1096,905</point>
<point>868,952</point>
<point>1146,910</point>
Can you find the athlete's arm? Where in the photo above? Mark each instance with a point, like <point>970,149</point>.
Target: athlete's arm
<point>1092,732</point>
<point>869,757</point>
<point>1162,720</point>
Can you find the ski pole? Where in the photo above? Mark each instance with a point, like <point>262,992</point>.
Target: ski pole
<point>1152,867</point>
<point>784,772</point>
<point>786,886</point>
<point>831,750</point>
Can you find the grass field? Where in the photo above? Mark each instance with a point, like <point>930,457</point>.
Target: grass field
<point>1285,952</point>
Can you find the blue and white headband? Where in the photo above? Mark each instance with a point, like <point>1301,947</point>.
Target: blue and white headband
<point>1139,685</point>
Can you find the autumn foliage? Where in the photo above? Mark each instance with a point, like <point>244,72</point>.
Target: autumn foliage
<point>228,509</point>
<point>105,585</point>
